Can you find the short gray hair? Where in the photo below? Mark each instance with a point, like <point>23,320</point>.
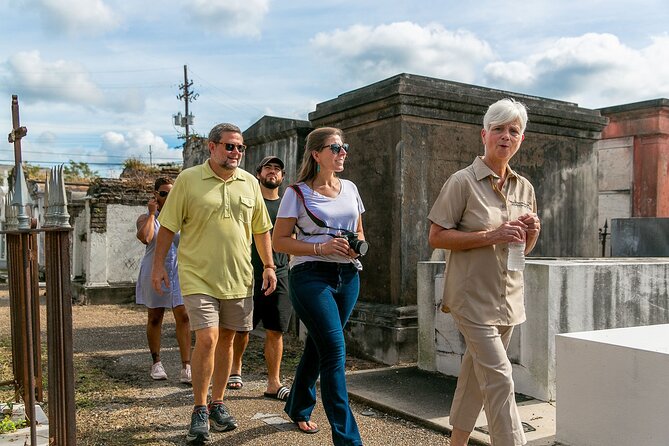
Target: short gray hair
<point>506,111</point>
<point>218,130</point>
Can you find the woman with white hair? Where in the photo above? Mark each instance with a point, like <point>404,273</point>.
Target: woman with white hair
<point>479,212</point>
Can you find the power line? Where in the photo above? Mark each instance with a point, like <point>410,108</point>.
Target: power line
<point>245,104</point>
<point>100,86</point>
<point>50,71</point>
<point>26,152</point>
<point>61,162</point>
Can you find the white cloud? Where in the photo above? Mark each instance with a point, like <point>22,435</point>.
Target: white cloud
<point>50,81</point>
<point>113,141</point>
<point>515,74</point>
<point>370,53</point>
<point>35,79</point>
<point>47,138</point>
<point>77,17</point>
<point>593,70</point>
<point>233,17</point>
<point>136,144</point>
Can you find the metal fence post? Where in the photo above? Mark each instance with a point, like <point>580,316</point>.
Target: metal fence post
<point>62,410</point>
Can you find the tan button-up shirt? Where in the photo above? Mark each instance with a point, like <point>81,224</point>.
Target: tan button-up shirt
<point>479,287</point>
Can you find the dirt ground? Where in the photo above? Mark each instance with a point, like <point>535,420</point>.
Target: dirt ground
<point>118,404</point>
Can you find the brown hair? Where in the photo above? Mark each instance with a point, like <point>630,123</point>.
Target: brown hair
<point>160,181</point>
<point>315,143</point>
<point>218,130</point>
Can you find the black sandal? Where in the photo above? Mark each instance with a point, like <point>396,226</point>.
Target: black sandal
<point>281,394</point>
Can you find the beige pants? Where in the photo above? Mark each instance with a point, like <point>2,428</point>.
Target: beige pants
<point>485,381</point>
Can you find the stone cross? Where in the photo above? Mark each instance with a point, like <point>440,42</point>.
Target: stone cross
<point>21,195</point>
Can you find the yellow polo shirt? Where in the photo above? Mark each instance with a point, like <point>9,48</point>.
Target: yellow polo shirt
<point>479,287</point>
<point>217,220</point>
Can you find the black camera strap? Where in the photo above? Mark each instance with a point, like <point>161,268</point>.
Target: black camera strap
<point>361,247</point>
<point>317,221</point>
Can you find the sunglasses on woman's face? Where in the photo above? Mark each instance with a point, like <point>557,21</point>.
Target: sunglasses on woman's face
<point>336,148</point>
<point>163,193</point>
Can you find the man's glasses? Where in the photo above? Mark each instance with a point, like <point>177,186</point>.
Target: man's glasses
<point>336,148</point>
<point>230,147</point>
<point>163,193</point>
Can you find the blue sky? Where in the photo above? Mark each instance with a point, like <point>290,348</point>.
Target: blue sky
<point>97,79</point>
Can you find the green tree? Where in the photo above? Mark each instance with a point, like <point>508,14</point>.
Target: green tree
<point>135,164</point>
<point>136,168</point>
<point>32,172</point>
<point>78,171</point>
<point>29,171</point>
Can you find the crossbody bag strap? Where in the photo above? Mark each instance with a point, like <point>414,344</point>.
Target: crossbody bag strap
<point>320,223</point>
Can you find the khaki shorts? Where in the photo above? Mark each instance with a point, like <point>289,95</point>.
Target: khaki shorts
<point>206,311</point>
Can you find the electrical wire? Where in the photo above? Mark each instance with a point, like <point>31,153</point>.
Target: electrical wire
<point>61,162</point>
<point>139,70</point>
<point>82,154</point>
<point>227,105</point>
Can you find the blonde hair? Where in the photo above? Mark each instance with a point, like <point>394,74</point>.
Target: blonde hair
<point>315,143</point>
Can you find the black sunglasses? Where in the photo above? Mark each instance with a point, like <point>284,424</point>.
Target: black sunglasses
<point>336,148</point>
<point>163,193</point>
<point>230,147</point>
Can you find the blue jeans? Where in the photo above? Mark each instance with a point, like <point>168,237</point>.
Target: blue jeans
<point>323,296</point>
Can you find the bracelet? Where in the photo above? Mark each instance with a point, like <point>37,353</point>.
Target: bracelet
<point>320,248</point>
<point>315,253</point>
<point>270,267</point>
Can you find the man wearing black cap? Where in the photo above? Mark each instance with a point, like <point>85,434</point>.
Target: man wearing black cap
<point>274,310</point>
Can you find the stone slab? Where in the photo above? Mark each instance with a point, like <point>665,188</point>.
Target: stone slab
<point>425,398</point>
<point>612,386</point>
<point>22,436</point>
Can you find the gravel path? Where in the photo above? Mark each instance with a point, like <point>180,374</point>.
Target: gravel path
<point>118,404</point>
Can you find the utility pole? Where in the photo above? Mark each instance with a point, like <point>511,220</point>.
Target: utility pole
<point>150,156</point>
<point>187,96</point>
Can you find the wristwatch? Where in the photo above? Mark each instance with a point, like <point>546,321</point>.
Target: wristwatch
<point>269,267</point>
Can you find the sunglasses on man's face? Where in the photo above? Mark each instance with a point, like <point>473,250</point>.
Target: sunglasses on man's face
<point>336,148</point>
<point>230,147</point>
<point>163,193</point>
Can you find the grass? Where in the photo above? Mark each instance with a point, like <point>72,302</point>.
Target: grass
<point>93,386</point>
<point>112,408</point>
<point>6,373</point>
<point>96,396</point>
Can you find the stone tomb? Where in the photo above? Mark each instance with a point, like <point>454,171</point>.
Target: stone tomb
<point>408,134</point>
<point>612,387</point>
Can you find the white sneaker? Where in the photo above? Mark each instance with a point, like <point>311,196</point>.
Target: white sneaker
<point>158,371</point>
<point>186,377</point>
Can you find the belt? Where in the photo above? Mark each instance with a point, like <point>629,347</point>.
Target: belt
<point>334,267</point>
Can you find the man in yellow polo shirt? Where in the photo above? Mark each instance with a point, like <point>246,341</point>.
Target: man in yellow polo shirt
<point>218,208</point>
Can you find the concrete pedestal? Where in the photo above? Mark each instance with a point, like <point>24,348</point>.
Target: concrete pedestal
<point>384,333</point>
<point>612,387</point>
<point>561,296</point>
